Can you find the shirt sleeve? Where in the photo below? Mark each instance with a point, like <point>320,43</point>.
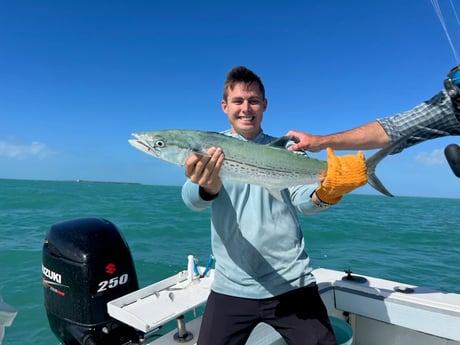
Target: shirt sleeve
<point>301,195</point>
<point>191,197</point>
<point>301,200</point>
<point>429,120</point>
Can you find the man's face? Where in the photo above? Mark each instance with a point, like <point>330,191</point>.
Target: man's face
<point>244,107</point>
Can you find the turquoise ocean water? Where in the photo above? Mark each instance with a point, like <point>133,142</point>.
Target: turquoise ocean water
<point>411,240</point>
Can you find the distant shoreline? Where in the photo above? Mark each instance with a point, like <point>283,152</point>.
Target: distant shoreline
<point>76,181</point>
<point>93,181</point>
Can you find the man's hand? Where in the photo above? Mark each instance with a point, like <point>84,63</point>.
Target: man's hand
<point>305,142</point>
<point>204,170</point>
<point>344,174</point>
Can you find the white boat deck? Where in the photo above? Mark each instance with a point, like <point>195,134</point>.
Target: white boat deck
<point>381,312</point>
<point>419,309</point>
<point>169,299</point>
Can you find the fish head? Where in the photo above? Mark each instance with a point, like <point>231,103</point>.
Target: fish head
<point>173,146</point>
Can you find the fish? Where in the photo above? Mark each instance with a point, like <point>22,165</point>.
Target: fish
<point>271,166</point>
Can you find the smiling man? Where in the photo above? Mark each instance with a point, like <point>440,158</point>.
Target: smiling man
<point>262,272</point>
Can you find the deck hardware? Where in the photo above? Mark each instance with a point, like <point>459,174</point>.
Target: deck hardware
<point>182,335</point>
<point>353,278</point>
<point>403,289</point>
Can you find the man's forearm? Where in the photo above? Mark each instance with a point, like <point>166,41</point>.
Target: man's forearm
<point>368,136</point>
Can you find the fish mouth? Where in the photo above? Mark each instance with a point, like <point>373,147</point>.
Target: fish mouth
<point>141,145</point>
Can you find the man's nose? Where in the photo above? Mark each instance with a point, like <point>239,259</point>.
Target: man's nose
<point>245,106</point>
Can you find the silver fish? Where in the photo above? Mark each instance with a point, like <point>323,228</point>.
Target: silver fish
<point>270,166</point>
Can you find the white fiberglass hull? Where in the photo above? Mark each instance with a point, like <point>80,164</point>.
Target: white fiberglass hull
<point>380,312</point>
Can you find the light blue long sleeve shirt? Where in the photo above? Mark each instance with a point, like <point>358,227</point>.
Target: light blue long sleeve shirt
<point>256,239</point>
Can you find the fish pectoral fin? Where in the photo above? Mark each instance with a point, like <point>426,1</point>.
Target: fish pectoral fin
<point>200,152</point>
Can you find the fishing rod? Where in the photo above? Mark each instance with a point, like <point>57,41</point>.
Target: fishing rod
<point>452,86</point>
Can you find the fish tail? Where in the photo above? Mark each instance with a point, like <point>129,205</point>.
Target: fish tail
<point>375,159</point>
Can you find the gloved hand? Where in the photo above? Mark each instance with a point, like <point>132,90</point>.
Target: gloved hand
<point>344,174</point>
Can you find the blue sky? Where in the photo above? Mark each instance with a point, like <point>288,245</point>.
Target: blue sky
<point>77,77</point>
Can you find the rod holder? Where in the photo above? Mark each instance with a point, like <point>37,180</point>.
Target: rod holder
<point>182,335</point>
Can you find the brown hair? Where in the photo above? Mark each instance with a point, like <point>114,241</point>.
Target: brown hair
<point>241,74</point>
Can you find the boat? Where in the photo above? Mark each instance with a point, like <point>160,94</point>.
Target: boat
<point>379,312</point>
<point>7,315</point>
<point>92,297</point>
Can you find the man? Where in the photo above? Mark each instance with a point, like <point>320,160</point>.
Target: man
<point>262,272</point>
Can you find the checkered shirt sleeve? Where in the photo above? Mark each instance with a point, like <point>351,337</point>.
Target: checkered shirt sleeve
<point>429,120</point>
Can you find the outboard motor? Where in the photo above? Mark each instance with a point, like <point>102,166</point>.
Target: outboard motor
<point>87,263</point>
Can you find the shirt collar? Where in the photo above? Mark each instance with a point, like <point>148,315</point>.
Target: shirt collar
<point>259,138</point>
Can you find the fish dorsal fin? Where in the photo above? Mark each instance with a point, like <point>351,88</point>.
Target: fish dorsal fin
<point>281,142</point>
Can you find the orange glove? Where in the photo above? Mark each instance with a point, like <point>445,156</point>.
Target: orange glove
<point>344,174</point>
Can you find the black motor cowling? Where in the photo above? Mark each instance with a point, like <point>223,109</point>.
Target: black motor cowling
<point>86,263</point>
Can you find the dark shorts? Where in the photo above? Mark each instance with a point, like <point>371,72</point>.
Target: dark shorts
<point>299,316</point>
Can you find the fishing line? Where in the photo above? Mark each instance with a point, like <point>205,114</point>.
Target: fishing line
<point>455,12</point>
<point>438,12</point>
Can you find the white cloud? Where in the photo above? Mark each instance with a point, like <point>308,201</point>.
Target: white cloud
<point>435,157</point>
<point>35,149</point>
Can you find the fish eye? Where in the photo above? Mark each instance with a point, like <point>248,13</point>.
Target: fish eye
<point>160,143</point>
